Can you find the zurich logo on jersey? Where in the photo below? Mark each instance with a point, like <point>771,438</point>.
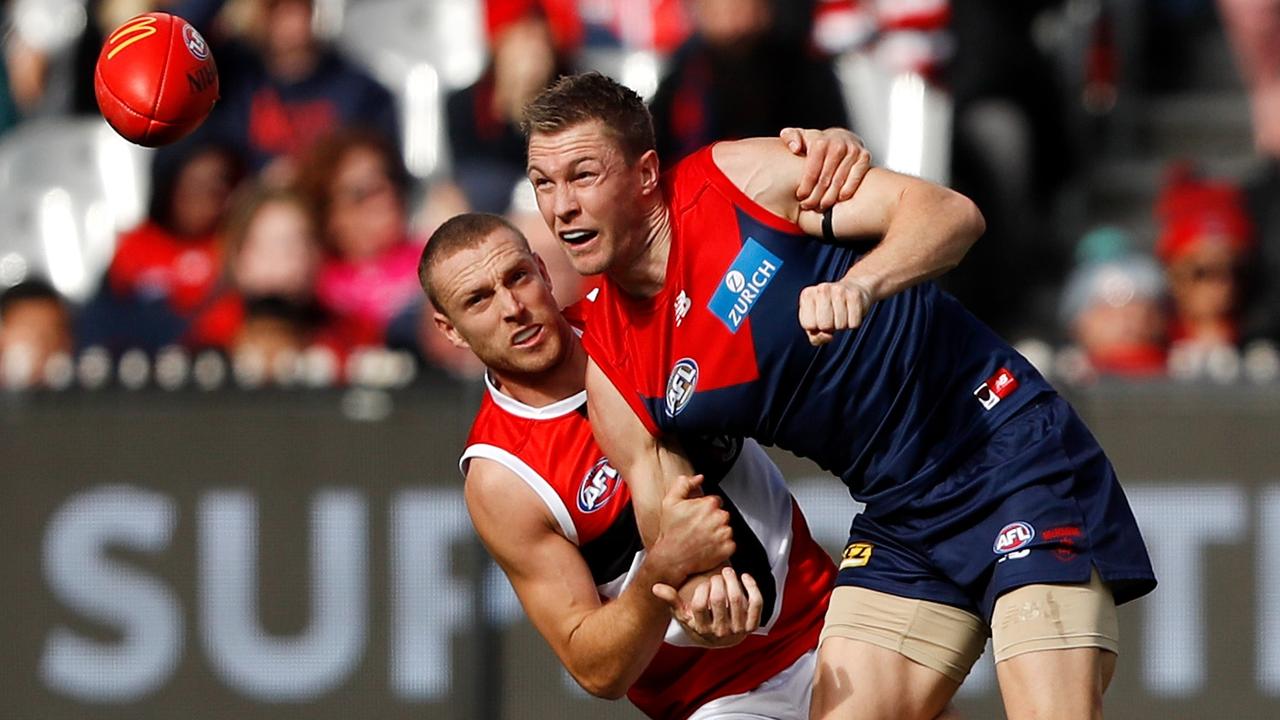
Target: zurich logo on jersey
<point>598,486</point>
<point>743,284</point>
<point>680,385</point>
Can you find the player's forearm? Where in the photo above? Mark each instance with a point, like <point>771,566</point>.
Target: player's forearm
<point>930,228</point>
<point>612,646</point>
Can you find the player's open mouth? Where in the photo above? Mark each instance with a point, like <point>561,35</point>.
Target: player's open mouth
<point>526,335</point>
<point>578,237</point>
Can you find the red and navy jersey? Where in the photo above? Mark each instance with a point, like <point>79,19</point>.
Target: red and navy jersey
<point>889,407</point>
<point>551,450</point>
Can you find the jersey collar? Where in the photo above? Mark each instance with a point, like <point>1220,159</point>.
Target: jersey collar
<point>557,409</point>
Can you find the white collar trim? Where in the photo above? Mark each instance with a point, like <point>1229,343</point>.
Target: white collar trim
<point>557,409</point>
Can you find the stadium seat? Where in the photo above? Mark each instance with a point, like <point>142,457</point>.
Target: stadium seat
<point>420,49</point>
<point>67,187</point>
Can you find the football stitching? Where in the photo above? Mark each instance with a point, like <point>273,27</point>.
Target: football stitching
<point>164,74</point>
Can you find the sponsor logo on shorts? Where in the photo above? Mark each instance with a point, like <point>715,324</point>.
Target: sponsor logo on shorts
<point>598,486</point>
<point>856,555</point>
<point>680,385</point>
<point>1014,536</point>
<point>995,388</point>
<point>743,284</point>
<point>1064,539</point>
<point>195,44</point>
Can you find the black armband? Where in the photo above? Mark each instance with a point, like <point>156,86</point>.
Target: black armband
<point>828,233</point>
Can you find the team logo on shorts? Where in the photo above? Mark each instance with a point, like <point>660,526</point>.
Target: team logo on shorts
<point>680,385</point>
<point>1014,536</point>
<point>743,284</point>
<point>856,555</point>
<point>195,44</point>
<point>598,486</point>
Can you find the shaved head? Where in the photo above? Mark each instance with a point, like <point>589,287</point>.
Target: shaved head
<point>460,232</point>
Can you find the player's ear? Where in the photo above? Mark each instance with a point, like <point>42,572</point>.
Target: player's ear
<point>650,173</point>
<point>446,326</point>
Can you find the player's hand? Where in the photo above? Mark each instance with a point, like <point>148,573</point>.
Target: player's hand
<point>693,531</point>
<point>716,610</point>
<point>829,307</point>
<point>835,163</point>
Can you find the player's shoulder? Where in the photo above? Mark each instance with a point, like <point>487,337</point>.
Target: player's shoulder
<point>498,500</point>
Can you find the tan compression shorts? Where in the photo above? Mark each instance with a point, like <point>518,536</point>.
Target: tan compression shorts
<point>1055,617</point>
<point>940,637</point>
<point>949,640</point>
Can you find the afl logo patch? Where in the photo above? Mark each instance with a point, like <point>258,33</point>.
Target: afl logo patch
<point>680,385</point>
<point>598,486</point>
<point>195,44</point>
<point>1014,536</point>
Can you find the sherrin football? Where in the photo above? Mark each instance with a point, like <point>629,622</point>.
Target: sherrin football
<point>155,79</point>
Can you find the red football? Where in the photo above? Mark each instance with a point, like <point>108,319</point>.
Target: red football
<point>155,79</point>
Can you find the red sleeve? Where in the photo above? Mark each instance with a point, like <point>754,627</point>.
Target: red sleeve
<point>706,164</point>
<point>603,357</point>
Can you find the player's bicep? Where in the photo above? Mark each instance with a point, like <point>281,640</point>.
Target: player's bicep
<point>547,572</point>
<point>646,462</point>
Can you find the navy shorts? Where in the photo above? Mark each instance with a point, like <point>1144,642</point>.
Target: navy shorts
<point>1038,502</point>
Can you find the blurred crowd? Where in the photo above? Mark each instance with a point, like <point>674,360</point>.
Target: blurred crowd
<point>284,234</point>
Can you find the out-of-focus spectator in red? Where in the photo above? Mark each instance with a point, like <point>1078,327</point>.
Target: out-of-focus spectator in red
<point>35,325</point>
<point>166,275</point>
<point>530,46</point>
<point>1114,308</point>
<point>286,89</point>
<point>737,78</point>
<point>1205,238</point>
<point>274,257</point>
<point>357,185</point>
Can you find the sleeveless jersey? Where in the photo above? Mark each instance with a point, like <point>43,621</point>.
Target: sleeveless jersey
<point>889,408</point>
<point>551,450</point>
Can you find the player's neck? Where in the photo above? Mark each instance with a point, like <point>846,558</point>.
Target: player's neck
<point>566,379</point>
<point>644,275</point>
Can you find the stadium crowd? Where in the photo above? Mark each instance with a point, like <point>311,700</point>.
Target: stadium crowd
<point>285,232</point>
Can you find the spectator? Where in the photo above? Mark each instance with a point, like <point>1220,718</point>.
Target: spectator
<point>163,284</point>
<point>35,324</point>
<point>1253,26</point>
<point>1205,238</point>
<point>287,90</point>
<point>484,137</point>
<point>274,257</point>
<point>1012,152</point>
<point>357,185</point>
<point>1113,308</point>
<point>735,78</point>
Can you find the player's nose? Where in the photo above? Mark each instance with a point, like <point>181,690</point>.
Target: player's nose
<point>565,205</point>
<point>513,308</point>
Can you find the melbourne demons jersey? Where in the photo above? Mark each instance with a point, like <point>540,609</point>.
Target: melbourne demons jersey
<point>889,407</point>
<point>551,450</point>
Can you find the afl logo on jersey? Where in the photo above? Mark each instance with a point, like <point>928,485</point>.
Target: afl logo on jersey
<point>1013,536</point>
<point>680,385</point>
<point>598,486</point>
